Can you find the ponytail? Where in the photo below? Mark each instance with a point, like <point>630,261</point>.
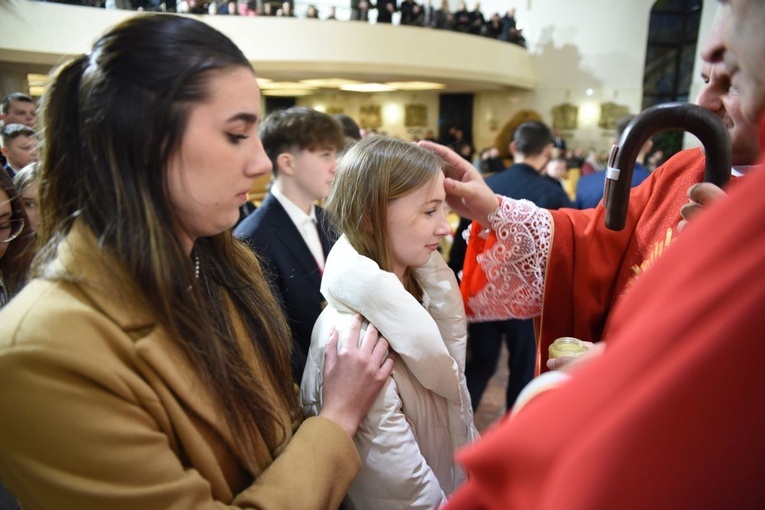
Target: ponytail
<point>62,143</point>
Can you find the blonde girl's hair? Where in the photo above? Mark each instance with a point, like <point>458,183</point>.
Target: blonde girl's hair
<point>375,171</point>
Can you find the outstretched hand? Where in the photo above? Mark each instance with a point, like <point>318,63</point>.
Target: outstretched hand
<point>466,192</point>
<point>354,375</point>
<point>699,196</point>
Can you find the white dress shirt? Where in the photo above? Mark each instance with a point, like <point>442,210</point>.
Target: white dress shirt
<point>306,224</point>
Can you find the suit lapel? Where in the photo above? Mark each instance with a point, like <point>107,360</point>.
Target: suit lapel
<point>292,244</point>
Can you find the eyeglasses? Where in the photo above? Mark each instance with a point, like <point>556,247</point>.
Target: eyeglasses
<point>11,229</point>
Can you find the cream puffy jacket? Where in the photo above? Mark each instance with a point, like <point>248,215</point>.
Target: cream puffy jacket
<point>423,413</point>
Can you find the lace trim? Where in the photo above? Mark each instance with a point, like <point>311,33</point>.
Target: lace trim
<point>515,265</point>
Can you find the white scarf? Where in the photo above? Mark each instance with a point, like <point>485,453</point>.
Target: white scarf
<point>429,338</point>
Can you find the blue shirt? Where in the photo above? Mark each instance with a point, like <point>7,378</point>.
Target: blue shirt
<point>589,189</point>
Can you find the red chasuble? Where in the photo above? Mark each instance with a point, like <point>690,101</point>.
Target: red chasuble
<point>672,415</point>
<point>591,266</point>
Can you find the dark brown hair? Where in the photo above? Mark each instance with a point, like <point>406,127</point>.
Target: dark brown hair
<point>14,265</point>
<point>5,106</point>
<point>299,128</point>
<point>112,120</point>
<point>12,131</point>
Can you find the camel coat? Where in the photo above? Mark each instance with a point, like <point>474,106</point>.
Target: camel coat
<point>100,410</point>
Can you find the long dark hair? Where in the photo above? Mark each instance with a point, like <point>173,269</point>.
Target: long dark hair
<point>14,265</point>
<point>112,119</point>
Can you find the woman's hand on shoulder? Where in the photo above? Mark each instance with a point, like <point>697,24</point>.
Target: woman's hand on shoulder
<point>354,374</point>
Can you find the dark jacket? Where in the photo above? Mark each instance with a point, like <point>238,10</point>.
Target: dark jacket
<point>291,269</point>
<point>589,188</point>
<point>522,181</point>
<point>519,181</point>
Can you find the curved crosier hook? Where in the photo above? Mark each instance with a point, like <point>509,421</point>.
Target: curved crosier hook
<point>705,125</point>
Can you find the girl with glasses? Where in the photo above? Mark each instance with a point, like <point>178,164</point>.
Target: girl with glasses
<point>16,244</point>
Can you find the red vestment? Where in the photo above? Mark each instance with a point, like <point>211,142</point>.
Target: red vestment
<point>672,414</point>
<point>590,266</point>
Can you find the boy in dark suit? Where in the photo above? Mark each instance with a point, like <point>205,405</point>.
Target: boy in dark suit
<point>289,232</point>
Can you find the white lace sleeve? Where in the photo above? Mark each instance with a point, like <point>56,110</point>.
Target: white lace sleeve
<point>515,265</point>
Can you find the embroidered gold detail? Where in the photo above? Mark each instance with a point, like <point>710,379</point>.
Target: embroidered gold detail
<point>658,249</point>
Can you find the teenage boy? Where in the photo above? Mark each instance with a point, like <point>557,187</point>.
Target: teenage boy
<point>289,231</point>
<point>19,147</point>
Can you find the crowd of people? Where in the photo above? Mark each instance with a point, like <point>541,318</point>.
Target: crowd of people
<point>501,27</point>
<point>159,351</point>
<point>580,173</point>
<point>19,179</point>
